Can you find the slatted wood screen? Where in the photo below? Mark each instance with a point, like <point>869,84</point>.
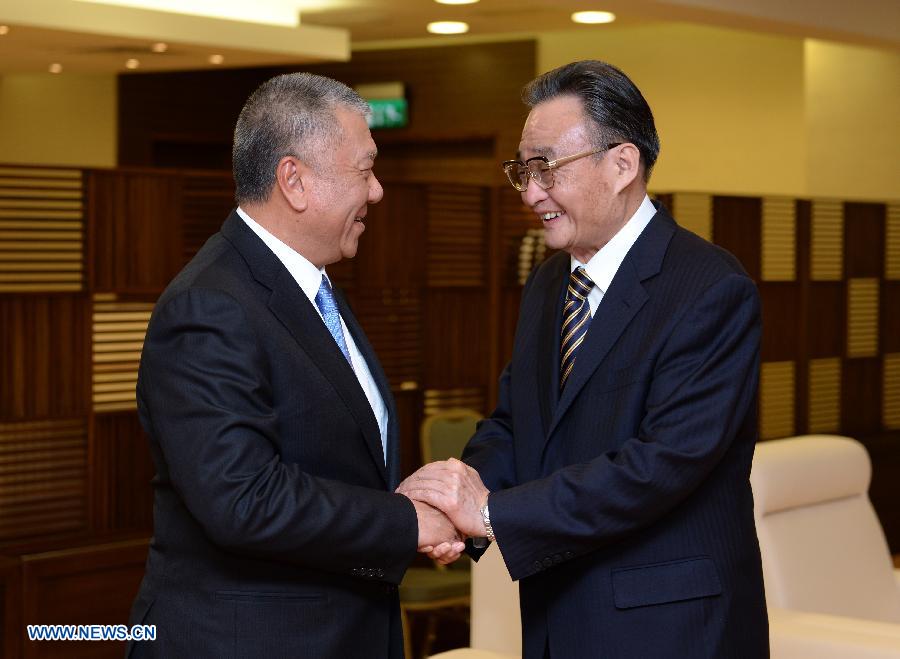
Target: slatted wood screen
<point>41,229</point>
<point>43,478</point>
<point>118,330</point>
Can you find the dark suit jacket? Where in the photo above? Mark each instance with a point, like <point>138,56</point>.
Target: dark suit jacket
<point>276,532</point>
<point>623,505</point>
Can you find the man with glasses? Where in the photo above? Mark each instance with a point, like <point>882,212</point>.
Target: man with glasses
<point>613,474</point>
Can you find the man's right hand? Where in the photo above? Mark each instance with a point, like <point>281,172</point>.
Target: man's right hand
<point>436,529</point>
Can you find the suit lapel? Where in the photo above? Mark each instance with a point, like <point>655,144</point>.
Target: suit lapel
<point>548,343</point>
<point>292,308</point>
<point>621,303</point>
<point>392,450</point>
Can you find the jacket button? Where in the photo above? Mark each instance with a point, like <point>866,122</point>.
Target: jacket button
<point>380,573</point>
<point>557,559</point>
<point>548,562</point>
<point>537,565</point>
<point>569,554</point>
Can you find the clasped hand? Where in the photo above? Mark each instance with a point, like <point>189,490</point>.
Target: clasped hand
<point>454,492</point>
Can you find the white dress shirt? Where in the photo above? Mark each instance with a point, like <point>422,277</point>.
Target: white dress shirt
<point>603,265</point>
<point>309,278</point>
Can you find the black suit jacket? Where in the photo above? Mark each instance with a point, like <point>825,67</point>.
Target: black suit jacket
<point>276,532</point>
<point>623,505</point>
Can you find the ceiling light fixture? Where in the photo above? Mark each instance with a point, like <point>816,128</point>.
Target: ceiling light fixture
<point>456,2</point>
<point>4,29</point>
<point>268,12</point>
<point>593,17</point>
<point>159,47</point>
<point>448,27</point>
<point>56,67</point>
<point>216,59</point>
<point>132,63</point>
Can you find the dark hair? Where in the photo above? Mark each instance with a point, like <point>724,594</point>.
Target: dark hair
<point>610,99</point>
<point>288,115</point>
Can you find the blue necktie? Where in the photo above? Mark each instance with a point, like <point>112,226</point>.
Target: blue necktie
<point>576,319</point>
<point>331,316</point>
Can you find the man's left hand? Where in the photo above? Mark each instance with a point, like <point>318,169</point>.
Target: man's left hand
<point>453,487</point>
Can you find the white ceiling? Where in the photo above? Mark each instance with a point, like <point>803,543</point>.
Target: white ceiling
<point>85,37</point>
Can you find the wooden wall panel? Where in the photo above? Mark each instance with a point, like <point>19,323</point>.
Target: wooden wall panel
<point>456,343</point>
<point>456,246</point>
<point>10,607</point>
<point>456,93</point>
<point>208,199</point>
<point>737,226</point>
<point>43,478</point>
<point>827,328</point>
<point>85,585</point>
<point>43,341</point>
<point>136,240</point>
<point>861,397</point>
<point>392,321</point>
<point>390,253</point>
<point>890,316</point>
<point>121,471</point>
<point>864,233</point>
<point>41,229</point>
<point>781,320</point>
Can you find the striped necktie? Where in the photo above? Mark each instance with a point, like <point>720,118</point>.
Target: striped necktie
<point>576,318</point>
<point>331,316</point>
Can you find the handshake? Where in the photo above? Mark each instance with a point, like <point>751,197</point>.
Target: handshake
<point>448,497</point>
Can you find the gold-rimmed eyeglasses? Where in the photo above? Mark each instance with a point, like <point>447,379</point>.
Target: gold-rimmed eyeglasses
<point>541,170</point>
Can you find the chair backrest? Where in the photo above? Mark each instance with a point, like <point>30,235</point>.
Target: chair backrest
<point>823,549</point>
<point>445,434</point>
<point>496,624</point>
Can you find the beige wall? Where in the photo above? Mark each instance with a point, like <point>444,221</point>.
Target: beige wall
<point>744,113</point>
<point>58,119</point>
<point>853,121</point>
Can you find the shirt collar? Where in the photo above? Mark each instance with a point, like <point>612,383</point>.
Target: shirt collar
<point>307,276</point>
<point>603,265</point>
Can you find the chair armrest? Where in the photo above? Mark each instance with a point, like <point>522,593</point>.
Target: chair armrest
<point>800,635</point>
<point>471,653</point>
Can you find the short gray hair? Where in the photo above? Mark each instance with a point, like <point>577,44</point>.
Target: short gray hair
<point>288,115</point>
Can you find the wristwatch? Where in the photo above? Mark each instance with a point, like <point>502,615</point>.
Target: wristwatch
<point>486,518</point>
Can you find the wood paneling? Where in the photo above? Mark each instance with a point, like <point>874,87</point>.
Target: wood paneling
<point>121,471</point>
<point>456,343</point>
<point>890,316</point>
<point>81,586</point>
<point>781,320</point>
<point>827,328</point>
<point>456,243</point>
<point>43,478</point>
<point>208,199</point>
<point>135,222</point>
<point>861,396</point>
<point>41,229</point>
<point>10,607</point>
<point>864,239</point>
<point>457,94</point>
<point>43,343</point>
<point>737,226</point>
<point>392,321</point>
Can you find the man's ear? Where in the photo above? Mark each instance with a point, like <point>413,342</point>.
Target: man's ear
<point>289,176</point>
<point>626,165</point>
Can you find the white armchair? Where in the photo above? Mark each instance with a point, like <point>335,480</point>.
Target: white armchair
<point>831,589</point>
<point>496,628</point>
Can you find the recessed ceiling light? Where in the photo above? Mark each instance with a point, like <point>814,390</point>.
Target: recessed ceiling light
<point>56,67</point>
<point>593,17</point>
<point>456,2</point>
<point>448,27</point>
<point>4,29</point>
<point>159,47</point>
<point>216,59</point>
<point>132,63</point>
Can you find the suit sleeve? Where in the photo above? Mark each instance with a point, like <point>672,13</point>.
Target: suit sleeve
<point>703,387</point>
<point>204,391</point>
